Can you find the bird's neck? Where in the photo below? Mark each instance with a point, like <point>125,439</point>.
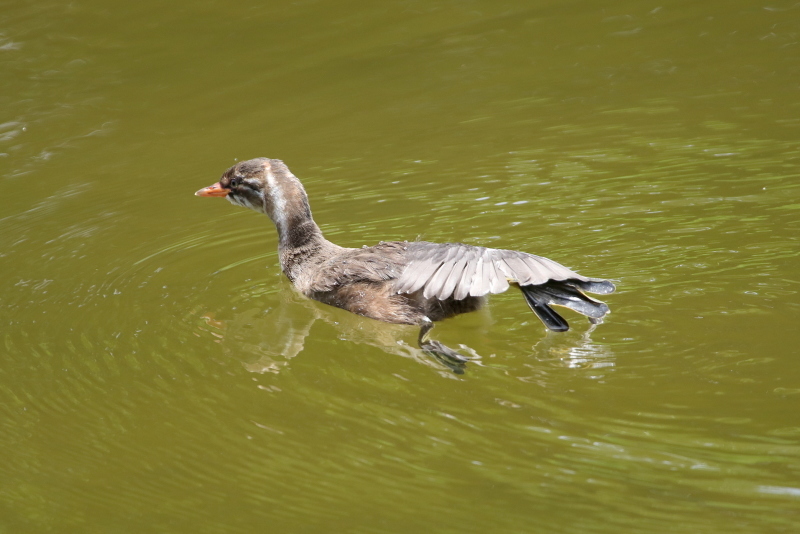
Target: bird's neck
<point>300,241</point>
<point>296,230</point>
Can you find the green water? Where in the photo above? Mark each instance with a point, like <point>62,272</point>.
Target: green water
<point>158,374</point>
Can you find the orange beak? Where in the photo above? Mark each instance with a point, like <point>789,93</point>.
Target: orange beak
<point>215,190</point>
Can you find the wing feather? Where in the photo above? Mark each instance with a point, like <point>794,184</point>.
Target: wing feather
<point>556,270</point>
<point>519,270</point>
<point>539,273</point>
<point>437,280</point>
<point>417,275</point>
<point>479,287</point>
<point>497,279</point>
<point>457,270</point>
<point>453,279</point>
<point>462,289</point>
<point>434,284</point>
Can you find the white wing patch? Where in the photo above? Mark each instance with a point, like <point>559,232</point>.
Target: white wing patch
<point>458,270</point>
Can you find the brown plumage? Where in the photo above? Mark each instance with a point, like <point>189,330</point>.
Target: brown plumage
<point>400,282</point>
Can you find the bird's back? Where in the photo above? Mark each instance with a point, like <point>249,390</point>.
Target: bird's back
<point>364,281</point>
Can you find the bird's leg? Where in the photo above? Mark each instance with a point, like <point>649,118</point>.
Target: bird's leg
<point>444,354</point>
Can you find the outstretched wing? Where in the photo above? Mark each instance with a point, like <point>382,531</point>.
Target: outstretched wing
<point>459,270</point>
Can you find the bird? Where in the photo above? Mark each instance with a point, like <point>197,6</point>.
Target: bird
<point>405,282</point>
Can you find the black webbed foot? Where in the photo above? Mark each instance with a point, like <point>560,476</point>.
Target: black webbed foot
<point>442,353</point>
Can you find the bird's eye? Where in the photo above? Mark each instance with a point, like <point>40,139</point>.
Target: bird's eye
<point>235,182</point>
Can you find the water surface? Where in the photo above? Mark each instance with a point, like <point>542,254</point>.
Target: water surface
<point>159,374</point>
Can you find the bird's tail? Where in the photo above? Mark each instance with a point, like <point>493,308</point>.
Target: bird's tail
<point>570,294</point>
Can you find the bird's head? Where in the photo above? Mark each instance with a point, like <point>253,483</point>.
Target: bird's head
<point>245,184</point>
<point>263,185</point>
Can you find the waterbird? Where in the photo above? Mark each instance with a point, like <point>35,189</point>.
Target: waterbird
<point>406,282</point>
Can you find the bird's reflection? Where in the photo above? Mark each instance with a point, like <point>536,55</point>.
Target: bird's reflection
<point>277,335</point>
<point>267,336</point>
<point>575,351</point>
